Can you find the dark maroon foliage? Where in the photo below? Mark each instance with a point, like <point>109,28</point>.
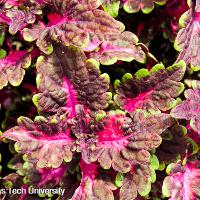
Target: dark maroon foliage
<point>100,99</point>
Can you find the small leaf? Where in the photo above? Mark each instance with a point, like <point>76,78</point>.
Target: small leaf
<point>152,91</point>
<point>189,109</point>
<point>119,179</point>
<point>12,67</point>
<point>133,6</point>
<point>154,162</point>
<point>2,53</point>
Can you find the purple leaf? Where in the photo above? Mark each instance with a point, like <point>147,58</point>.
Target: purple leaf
<point>189,109</point>
<point>119,47</point>
<point>51,175</point>
<point>152,91</point>
<point>18,14</point>
<point>137,181</point>
<point>122,142</point>
<point>37,176</point>
<point>183,182</point>
<point>70,80</point>
<point>188,39</point>
<point>19,19</point>
<point>46,141</point>
<point>12,68</point>
<point>111,141</point>
<point>77,23</point>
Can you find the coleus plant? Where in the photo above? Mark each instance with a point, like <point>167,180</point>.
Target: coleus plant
<point>108,118</point>
<point>182,182</point>
<point>187,40</point>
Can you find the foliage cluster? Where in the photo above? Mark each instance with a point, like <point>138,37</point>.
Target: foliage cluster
<point>88,105</point>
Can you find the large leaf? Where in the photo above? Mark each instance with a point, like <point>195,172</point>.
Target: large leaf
<point>152,91</point>
<point>188,39</point>
<point>12,68</point>
<point>183,183</point>
<point>189,109</point>
<point>66,79</point>
<point>122,142</point>
<point>77,23</point>
<point>119,47</point>
<point>46,141</point>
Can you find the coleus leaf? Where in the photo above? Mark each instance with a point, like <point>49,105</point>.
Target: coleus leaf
<point>32,175</point>
<point>18,102</point>
<point>139,179</point>
<point>122,47</point>
<point>111,141</point>
<point>174,144</point>
<point>133,6</point>
<point>70,80</point>
<point>122,142</point>
<point>35,177</point>
<point>51,176</point>
<point>183,182</point>
<point>189,108</point>
<point>188,39</point>
<point>12,68</point>
<point>46,141</point>
<point>18,14</point>
<point>77,23</point>
<point>136,182</point>
<point>44,177</point>
<point>18,19</point>
<point>91,187</point>
<point>59,6</point>
<point>12,180</point>
<point>151,91</point>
